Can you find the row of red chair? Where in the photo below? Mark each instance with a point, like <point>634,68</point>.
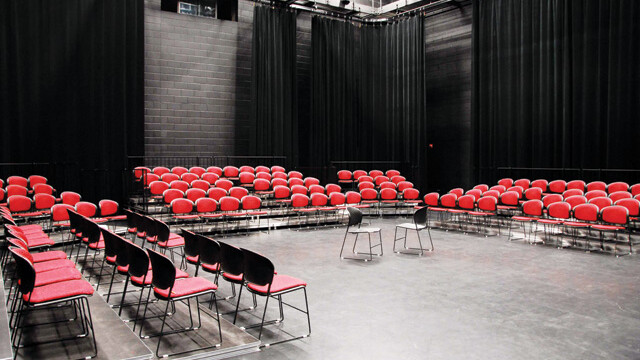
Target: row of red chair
<point>29,182</point>
<point>158,186</point>
<point>559,186</point>
<point>227,172</point>
<point>346,176</point>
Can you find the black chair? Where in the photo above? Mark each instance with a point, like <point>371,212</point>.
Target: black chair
<point>166,240</point>
<point>74,292</point>
<point>209,256</point>
<point>92,237</point>
<point>132,222</point>
<point>419,223</point>
<point>191,249</point>
<point>110,255</point>
<point>166,287</point>
<point>260,277</point>
<point>232,270</point>
<point>353,227</point>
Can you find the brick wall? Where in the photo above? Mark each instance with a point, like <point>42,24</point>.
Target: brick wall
<point>195,81</point>
<point>448,56</point>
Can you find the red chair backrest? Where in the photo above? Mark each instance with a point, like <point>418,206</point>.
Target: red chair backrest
<point>482,187</point>
<point>523,183</point>
<point>601,202</point>
<point>308,181</point>
<point>108,207</point>
<point>499,188</point>
<point>374,173</point>
<point>620,195</point>
<point>458,191</point>
<point>632,205</point>
<point>197,170</point>
<point>43,201</point>
<point>295,175</point>
<point>319,199</point>
<point>509,198</point>
<point>365,185</point>
<point>596,185</point>
<point>467,202</point>
<point>217,193</point>
<point>316,189</point>
<point>279,175</point>
<point>200,184</point>
<point>432,199</point>
<point>506,182</point>
<point>181,206</point>
<point>299,200</point>
<point>171,194</point>
<point>388,185</point>
<point>299,189</point>
<point>206,205</point>
<point>448,200</point>
<point>160,170</point>
<point>38,179</point>
<point>279,182</point>
<point>572,192</point>
<point>16,190</point>
<point>281,192</point>
<point>295,181</point>
<point>228,203</point>
<point>224,183</point>
<point>43,189</point>
<point>595,193</point>
<point>195,194</point>
<point>19,203</point>
<point>353,197</point>
<point>533,194</point>
<point>86,209</point>
<point>402,185</point>
<point>149,179</point>
<point>380,179</point>
<point>550,199</point>
<point>388,194</point>
<point>635,189</point>
<point>238,192</point>
<point>410,194</point>
<point>391,173</point>
<point>365,178</point>
<point>331,188</point>
<point>276,169</point>
<point>230,171</point>
<point>70,198</point>
<point>540,183</point>
<point>189,177</point>
<point>358,173</point>
<point>3,194</point>
<point>559,210</point>
<point>476,193</point>
<point>492,193</point>
<point>488,203</point>
<point>586,212</point>
<point>557,186</point>
<point>398,179</point>
<point>345,175</point>
<point>179,170</point>
<point>215,170</point>
<point>517,189</point>
<point>180,185</point>
<point>262,169</point>
<point>247,168</point>
<point>369,194</point>
<point>615,215</point>
<point>263,175</point>
<point>17,180</point>
<point>169,177</point>
<point>576,200</point>
<point>532,207</point>
<point>337,198</point>
<point>576,184</point>
<point>261,184</point>
<point>158,187</point>
<point>247,177</point>
<point>617,186</point>
<point>251,202</point>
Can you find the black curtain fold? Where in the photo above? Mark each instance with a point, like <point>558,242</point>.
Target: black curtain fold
<point>556,84</point>
<point>71,90</point>
<point>274,122</point>
<point>367,93</point>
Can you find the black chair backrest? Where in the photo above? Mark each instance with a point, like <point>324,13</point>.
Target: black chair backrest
<point>231,259</point>
<point>162,230</point>
<point>191,245</point>
<point>90,230</point>
<point>209,250</point>
<point>150,226</point>
<point>73,219</point>
<point>355,216</point>
<point>138,259</point>
<point>257,268</point>
<point>110,243</point>
<point>420,216</point>
<point>25,271</point>
<point>164,272</point>
<point>123,258</point>
<point>131,218</point>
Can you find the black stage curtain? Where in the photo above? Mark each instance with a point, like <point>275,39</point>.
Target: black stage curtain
<point>274,127</point>
<point>367,93</point>
<point>556,84</point>
<point>71,90</point>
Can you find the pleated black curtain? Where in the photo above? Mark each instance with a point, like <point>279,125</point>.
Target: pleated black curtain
<point>556,84</point>
<point>367,93</point>
<point>274,123</point>
<point>71,90</point>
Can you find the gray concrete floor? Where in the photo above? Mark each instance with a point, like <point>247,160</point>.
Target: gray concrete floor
<point>473,298</point>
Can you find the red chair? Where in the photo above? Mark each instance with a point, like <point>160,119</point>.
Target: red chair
<point>458,191</point>
<point>201,184</point>
<point>601,202</point>
<point>557,213</point>
<point>635,189</point>
<point>617,186</point>
<point>160,170</point>
<point>279,182</point>
<point>482,187</point>
<point>320,202</point>
<point>632,205</point>
<point>261,279</point>
<point>60,215</point>
<point>345,177</point>
<point>215,170</point>
<point>533,194</point>
<point>166,287</point>
<point>277,169</point>
<point>432,202</point>
<point>509,201</point>
<point>262,169</point>
<point>179,170</point>
<point>16,190</point>
<point>517,189</point>
<point>397,179</point>
<point>20,205</point>
<point>279,175</point>
<point>620,195</point>
<point>308,181</point>
<point>43,203</point>
<point>487,206</point>
<point>262,186</point>
<point>380,179</point>
<point>332,188</point>
<point>477,194</point>
<point>197,170</point>
<point>576,184</point>
<point>404,185</point>
<point>449,202</point>
<point>109,210</point>
<point>224,183</point>
<point>295,182</point>
<point>572,192</point>
<point>189,178</point>
<point>18,180</point>
<point>375,173</point>
<point>238,192</point>
<point>149,179</point>
<point>300,204</point>
<point>596,185</point>
<point>252,205</point>
<point>157,188</point>
<point>169,177</point>
<point>506,182</point>
<point>295,175</point>
<point>3,195</point>
<point>366,185</point>
<point>247,168</point>
<point>217,193</point>
<point>354,199</point>
<point>315,189</point>
<point>230,172</point>
<point>263,175</point>
<point>180,185</point>
<point>467,203</point>
<point>557,186</point>
<point>576,200</point>
<point>88,210</point>
<point>299,189</point>
<point>532,212</point>
<point>387,185</point>
<point>211,178</point>
<point>523,183</point>
<point>585,215</point>
<point>171,194</point>
<point>499,188</point>
<point>36,179</point>
<point>230,207</point>
<point>365,178</point>
<point>391,173</point>
<point>43,189</point>
<point>616,219</point>
<point>389,197</point>
<point>370,197</point>
<point>281,194</point>
<point>595,193</point>
<point>195,194</point>
<point>206,209</point>
<point>542,184</point>
<point>492,193</point>
<point>359,173</point>
<point>411,197</point>
<point>550,199</point>
<point>246,179</point>
<point>48,293</point>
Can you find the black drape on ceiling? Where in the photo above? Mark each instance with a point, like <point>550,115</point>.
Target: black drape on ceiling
<point>274,123</point>
<point>367,93</point>
<point>71,90</point>
<point>556,84</point>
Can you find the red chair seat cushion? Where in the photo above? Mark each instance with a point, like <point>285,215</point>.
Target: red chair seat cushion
<point>185,287</point>
<point>147,280</point>
<point>117,217</point>
<point>186,217</point>
<point>523,218</point>
<point>30,228</point>
<point>436,209</point>
<point>456,211</point>
<point>97,245</point>
<point>280,283</point>
<point>235,214</point>
<point>211,216</point>
<point>60,290</point>
<point>57,275</point>
<point>478,213</point>
<point>192,259</point>
<point>48,256</point>
<point>607,227</point>
<point>257,213</point>
<point>175,242</point>
<point>576,224</point>
<point>212,268</point>
<point>53,264</point>
<point>550,221</point>
<point>39,241</point>
<point>506,207</point>
<point>28,214</point>
<point>233,277</point>
<point>111,259</point>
